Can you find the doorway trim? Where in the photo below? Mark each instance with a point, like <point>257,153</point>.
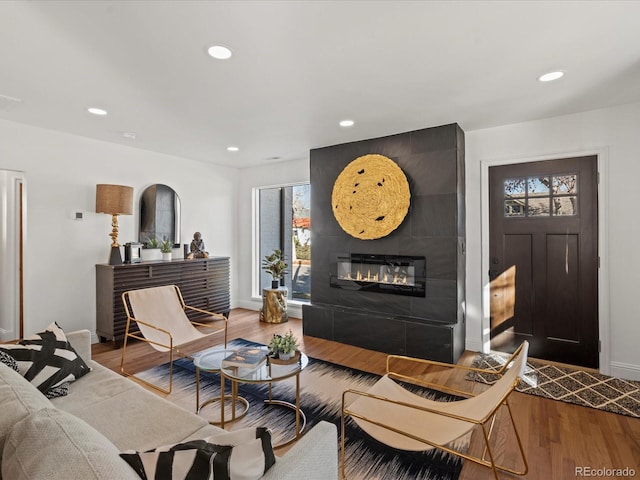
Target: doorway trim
<point>13,203</point>
<point>602,155</point>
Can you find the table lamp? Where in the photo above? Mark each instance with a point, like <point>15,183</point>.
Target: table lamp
<point>114,200</point>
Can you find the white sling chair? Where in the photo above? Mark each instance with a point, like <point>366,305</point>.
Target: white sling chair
<point>406,421</point>
<point>159,313</point>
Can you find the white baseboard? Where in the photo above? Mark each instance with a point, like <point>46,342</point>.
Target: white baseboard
<point>248,304</point>
<point>624,370</point>
<point>473,345</point>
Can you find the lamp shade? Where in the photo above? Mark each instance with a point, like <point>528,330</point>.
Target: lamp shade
<point>114,199</point>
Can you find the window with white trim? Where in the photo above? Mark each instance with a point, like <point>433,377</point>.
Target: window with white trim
<point>283,223</point>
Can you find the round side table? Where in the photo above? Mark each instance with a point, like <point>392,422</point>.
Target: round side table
<point>210,361</point>
<point>272,371</point>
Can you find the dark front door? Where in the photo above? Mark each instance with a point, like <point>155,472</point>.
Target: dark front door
<point>543,222</point>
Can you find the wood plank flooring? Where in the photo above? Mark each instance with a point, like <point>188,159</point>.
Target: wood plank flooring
<point>557,437</point>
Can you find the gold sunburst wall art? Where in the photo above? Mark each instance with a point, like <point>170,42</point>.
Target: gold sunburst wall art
<point>370,197</point>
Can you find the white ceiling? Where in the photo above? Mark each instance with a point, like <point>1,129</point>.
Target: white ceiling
<point>299,67</point>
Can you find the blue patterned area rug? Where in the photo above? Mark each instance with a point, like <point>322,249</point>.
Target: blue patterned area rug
<point>322,384</point>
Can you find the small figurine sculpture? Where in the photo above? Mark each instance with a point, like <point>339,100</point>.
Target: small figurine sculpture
<point>197,248</point>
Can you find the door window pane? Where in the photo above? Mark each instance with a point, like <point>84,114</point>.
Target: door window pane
<point>563,184</point>
<point>541,196</point>
<point>514,188</point>
<point>537,186</point>
<point>563,206</point>
<point>538,207</point>
<point>514,208</point>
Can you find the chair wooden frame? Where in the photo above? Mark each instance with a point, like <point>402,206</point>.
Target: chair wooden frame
<point>474,423</point>
<point>169,346</point>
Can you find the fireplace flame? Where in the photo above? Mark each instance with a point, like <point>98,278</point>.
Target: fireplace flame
<point>395,279</point>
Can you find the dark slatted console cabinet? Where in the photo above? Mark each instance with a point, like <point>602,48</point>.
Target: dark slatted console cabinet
<point>204,283</point>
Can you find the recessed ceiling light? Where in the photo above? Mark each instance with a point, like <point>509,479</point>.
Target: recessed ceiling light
<point>551,76</point>
<point>219,52</point>
<point>96,111</point>
<point>129,135</point>
<point>347,123</point>
<point>233,149</point>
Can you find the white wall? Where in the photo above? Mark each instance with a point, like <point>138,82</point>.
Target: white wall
<point>61,173</point>
<point>614,133</point>
<point>271,174</point>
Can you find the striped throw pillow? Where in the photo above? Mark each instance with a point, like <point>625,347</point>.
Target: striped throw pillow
<point>47,360</point>
<point>244,454</point>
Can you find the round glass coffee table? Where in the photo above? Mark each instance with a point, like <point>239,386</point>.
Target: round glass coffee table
<point>273,370</point>
<point>210,361</point>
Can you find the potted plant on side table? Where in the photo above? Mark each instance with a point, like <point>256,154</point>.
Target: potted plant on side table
<point>276,266</point>
<point>284,346</point>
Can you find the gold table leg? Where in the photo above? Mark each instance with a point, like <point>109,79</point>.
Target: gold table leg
<point>298,406</point>
<point>197,390</point>
<point>301,418</point>
<point>222,399</point>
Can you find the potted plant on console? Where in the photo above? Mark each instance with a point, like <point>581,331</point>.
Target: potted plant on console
<point>151,249</point>
<point>276,266</point>
<point>283,346</point>
<point>166,247</point>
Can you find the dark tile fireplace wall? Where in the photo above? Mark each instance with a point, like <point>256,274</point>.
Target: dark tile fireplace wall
<point>429,327</point>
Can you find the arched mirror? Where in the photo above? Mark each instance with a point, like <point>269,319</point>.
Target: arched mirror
<point>159,214</point>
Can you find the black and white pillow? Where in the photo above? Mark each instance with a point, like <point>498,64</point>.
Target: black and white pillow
<point>61,390</point>
<point>48,361</point>
<point>9,361</point>
<point>244,454</point>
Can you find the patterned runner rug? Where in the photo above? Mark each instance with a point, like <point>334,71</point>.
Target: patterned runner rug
<point>322,384</point>
<point>570,385</point>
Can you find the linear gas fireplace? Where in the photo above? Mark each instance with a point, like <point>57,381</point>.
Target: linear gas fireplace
<point>396,274</point>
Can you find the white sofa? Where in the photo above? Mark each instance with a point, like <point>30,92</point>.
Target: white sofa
<point>80,435</point>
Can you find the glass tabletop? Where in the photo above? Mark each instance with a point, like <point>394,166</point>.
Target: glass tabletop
<point>268,371</point>
<point>211,359</point>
